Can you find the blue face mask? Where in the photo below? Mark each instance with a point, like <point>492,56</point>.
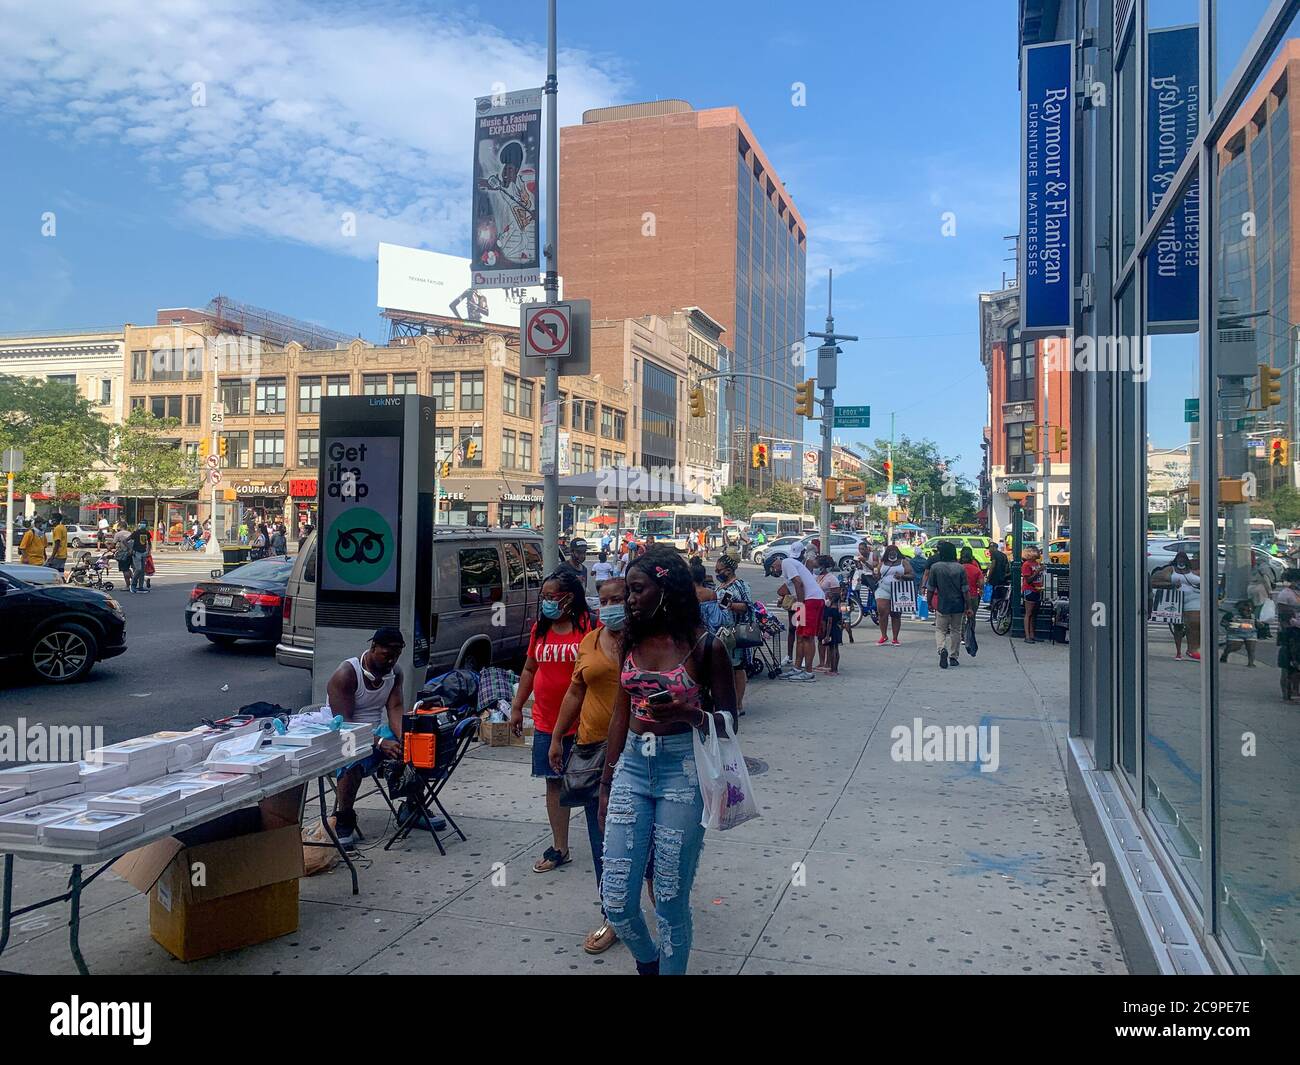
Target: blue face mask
<point>551,608</point>
<point>613,616</point>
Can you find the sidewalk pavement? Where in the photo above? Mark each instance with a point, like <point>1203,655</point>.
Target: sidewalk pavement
<point>860,862</point>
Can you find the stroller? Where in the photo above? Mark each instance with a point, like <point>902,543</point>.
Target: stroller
<point>91,571</point>
<point>766,656</point>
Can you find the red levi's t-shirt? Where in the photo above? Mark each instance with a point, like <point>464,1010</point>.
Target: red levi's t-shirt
<point>556,656</point>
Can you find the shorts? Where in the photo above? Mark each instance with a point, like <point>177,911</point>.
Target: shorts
<point>1030,595</point>
<point>57,564</point>
<point>812,617</point>
<point>836,636</point>
<point>542,750</point>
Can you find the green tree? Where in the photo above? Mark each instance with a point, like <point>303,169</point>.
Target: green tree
<point>150,463</point>
<point>932,475</point>
<point>784,497</point>
<point>66,445</point>
<point>737,501</point>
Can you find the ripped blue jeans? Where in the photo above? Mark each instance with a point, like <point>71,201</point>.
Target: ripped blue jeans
<point>654,798</point>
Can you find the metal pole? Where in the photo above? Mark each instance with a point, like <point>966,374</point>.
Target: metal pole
<point>551,481</point>
<point>889,525</point>
<point>213,545</point>
<point>828,420</point>
<point>9,516</point>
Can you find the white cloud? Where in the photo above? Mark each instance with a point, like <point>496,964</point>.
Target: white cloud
<point>843,236</point>
<point>311,110</point>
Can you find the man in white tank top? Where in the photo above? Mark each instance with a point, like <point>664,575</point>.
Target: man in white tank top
<point>368,688</point>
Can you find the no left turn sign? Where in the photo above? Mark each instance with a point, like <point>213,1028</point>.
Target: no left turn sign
<point>547,330</point>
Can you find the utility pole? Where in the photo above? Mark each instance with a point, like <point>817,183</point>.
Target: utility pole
<point>551,481</point>
<point>889,525</point>
<point>826,372</point>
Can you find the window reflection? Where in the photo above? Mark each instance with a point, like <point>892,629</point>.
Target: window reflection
<point>1256,609</point>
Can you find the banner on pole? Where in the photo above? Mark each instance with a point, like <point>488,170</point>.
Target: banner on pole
<point>507,148</point>
<point>1046,196</point>
<point>1173,105</point>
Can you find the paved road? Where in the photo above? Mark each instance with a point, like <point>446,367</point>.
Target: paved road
<point>168,678</point>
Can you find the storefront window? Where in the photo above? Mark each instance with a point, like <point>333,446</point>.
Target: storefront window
<point>1180,596</point>
<point>1258,630</point>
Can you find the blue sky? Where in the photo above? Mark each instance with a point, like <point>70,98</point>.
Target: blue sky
<point>311,111</point>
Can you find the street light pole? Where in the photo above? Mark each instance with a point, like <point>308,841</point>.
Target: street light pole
<point>826,375</point>
<point>551,481</point>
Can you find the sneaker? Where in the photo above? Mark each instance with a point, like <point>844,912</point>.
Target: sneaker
<point>943,658</point>
<point>883,639</point>
<point>896,643</point>
<point>1195,656</point>
<point>1178,657</point>
<point>787,664</point>
<point>954,661</point>
<point>801,676</point>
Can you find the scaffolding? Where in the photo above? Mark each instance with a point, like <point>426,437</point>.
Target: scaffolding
<point>232,316</point>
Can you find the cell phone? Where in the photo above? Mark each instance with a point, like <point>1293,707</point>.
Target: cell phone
<point>660,698</point>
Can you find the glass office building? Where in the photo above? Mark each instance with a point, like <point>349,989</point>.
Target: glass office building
<point>1185,708</point>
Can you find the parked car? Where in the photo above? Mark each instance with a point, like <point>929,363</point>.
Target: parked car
<point>31,574</point>
<point>245,604</point>
<point>842,549</point>
<point>57,631</point>
<point>82,535</point>
<point>473,570</point>
<point>781,542</point>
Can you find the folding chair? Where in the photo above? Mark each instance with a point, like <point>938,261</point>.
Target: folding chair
<point>422,787</point>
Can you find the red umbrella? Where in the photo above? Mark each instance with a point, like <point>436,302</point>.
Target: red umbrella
<point>604,519</point>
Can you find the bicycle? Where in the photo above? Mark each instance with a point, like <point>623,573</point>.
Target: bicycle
<point>1000,610</point>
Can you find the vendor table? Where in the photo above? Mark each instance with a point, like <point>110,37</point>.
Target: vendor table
<point>105,856</point>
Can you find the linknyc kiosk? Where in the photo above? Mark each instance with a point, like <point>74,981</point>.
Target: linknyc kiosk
<point>374,553</point>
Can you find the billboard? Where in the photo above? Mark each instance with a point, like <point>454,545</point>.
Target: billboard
<point>1046,199</point>
<point>507,149</point>
<point>1173,104</point>
<point>429,282</point>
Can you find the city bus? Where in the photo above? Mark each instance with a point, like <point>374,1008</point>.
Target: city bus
<point>774,524</point>
<point>1262,531</point>
<point>673,524</point>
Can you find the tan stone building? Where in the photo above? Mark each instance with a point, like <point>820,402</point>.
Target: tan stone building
<point>272,399</point>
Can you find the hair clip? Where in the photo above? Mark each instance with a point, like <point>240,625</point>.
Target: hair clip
<point>660,571</point>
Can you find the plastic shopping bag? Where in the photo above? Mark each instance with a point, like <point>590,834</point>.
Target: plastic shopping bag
<point>724,778</point>
<point>972,644</point>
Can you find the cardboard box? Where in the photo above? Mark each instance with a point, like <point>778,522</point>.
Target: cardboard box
<point>498,734</point>
<point>226,884</point>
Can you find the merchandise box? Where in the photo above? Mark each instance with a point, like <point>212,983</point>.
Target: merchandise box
<point>37,776</point>
<point>258,762</point>
<point>103,776</point>
<point>498,734</point>
<point>26,824</point>
<point>226,884</point>
<point>135,799</point>
<point>312,736</point>
<point>194,794</point>
<point>94,828</point>
<point>141,750</point>
<point>232,784</point>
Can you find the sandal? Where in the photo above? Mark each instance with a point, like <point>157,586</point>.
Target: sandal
<point>600,940</point>
<point>550,859</point>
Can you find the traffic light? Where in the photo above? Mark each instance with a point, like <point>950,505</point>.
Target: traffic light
<point>832,489</point>
<point>1270,386</point>
<point>803,398</point>
<point>1277,451</point>
<point>471,448</point>
<point>203,448</point>
<point>889,471</point>
<point>1060,438</point>
<point>223,446</point>
<point>759,457</point>
<point>444,468</point>
<point>1031,439</point>
<point>697,402</point>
